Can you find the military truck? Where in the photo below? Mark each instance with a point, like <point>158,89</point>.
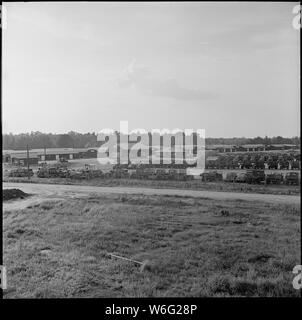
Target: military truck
<point>291,178</point>
<point>63,173</point>
<point>48,172</point>
<point>255,176</point>
<point>241,177</point>
<point>78,174</point>
<point>211,176</point>
<point>230,177</point>
<point>20,172</point>
<point>274,178</point>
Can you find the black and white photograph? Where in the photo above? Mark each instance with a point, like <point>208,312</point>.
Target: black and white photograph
<point>150,150</point>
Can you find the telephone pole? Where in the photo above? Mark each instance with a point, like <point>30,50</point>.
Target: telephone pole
<point>28,174</point>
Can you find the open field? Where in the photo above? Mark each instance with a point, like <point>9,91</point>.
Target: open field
<point>170,184</point>
<point>192,247</point>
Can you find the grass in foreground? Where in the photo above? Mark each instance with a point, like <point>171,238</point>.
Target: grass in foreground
<point>195,247</point>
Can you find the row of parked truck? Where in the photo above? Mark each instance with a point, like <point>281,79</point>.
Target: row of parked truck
<point>89,172</point>
<point>21,172</point>
<point>63,172</point>
<point>253,176</point>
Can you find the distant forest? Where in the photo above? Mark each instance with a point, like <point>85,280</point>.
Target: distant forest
<point>72,139</point>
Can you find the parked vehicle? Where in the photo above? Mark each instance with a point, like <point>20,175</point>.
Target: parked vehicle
<point>255,176</point>
<point>274,178</point>
<point>230,177</point>
<point>48,172</point>
<point>291,178</point>
<point>241,177</point>
<point>77,174</point>
<point>20,172</point>
<point>63,173</point>
<point>211,176</point>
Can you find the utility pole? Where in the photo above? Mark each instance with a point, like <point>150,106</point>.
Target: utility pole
<point>28,162</point>
<point>45,153</point>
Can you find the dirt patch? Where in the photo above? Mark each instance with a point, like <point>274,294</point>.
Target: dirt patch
<point>260,258</point>
<point>9,194</point>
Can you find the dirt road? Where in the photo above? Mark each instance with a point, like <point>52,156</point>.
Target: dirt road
<point>54,191</point>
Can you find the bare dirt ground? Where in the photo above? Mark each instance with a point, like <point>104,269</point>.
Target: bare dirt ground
<point>55,191</point>
<point>195,184</point>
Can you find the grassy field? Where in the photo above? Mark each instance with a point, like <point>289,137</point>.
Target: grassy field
<point>191,247</point>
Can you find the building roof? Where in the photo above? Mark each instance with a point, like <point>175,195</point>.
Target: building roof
<point>211,158</point>
<point>253,146</point>
<point>23,155</point>
<point>226,146</point>
<point>49,151</point>
<point>283,145</point>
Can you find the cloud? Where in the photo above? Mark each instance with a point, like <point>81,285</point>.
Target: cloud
<point>249,38</point>
<point>142,79</point>
<point>33,18</point>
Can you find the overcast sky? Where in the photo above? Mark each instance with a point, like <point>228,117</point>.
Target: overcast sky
<point>230,68</point>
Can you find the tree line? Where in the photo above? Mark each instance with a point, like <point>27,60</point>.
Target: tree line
<point>37,140</point>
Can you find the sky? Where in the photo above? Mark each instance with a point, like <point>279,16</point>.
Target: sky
<point>232,69</point>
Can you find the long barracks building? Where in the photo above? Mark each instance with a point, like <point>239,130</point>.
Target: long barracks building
<point>54,154</point>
